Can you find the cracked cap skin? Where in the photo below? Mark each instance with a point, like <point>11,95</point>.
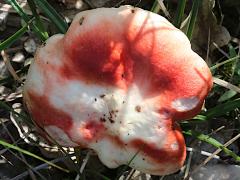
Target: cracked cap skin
<point>118,82</point>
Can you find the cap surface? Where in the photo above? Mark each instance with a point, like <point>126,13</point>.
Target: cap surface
<point>118,82</point>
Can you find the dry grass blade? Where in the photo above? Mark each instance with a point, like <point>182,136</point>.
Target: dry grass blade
<point>10,146</point>
<point>226,84</point>
<point>129,176</point>
<point>85,161</point>
<point>188,165</point>
<point>29,167</point>
<point>204,153</point>
<point>164,9</point>
<point>39,167</point>
<point>216,130</point>
<point>212,141</point>
<point>220,50</point>
<point>23,159</point>
<point>219,150</point>
<point>9,66</point>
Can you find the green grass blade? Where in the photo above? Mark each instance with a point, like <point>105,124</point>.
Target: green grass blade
<point>18,9</point>
<point>236,65</point>
<point>9,41</point>
<point>26,18</point>
<point>52,14</point>
<point>224,62</point>
<point>227,95</point>
<point>3,143</point>
<point>200,117</point>
<point>155,8</point>
<point>232,51</point>
<point>193,17</point>
<point>212,141</point>
<point>222,109</point>
<point>39,23</point>
<point>197,119</point>
<point>180,13</point>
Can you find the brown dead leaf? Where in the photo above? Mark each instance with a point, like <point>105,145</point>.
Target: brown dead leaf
<point>208,30</point>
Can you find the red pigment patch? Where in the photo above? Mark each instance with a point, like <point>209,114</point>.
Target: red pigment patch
<point>116,140</point>
<point>112,58</point>
<point>106,58</point>
<point>45,114</point>
<point>95,57</point>
<point>92,130</point>
<point>164,155</point>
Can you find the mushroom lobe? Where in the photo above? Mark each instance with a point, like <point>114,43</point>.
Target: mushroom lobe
<point>118,82</point>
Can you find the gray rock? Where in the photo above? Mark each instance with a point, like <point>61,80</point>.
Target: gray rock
<point>217,172</point>
<point>30,46</point>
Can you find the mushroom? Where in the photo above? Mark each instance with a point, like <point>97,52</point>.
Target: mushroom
<point>118,82</point>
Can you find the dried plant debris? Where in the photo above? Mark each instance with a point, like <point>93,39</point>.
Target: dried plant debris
<point>216,38</point>
<point>208,30</point>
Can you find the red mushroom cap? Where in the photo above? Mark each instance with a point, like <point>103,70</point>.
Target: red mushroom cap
<point>118,82</point>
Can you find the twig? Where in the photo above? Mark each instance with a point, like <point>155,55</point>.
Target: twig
<point>216,130</point>
<point>9,66</point>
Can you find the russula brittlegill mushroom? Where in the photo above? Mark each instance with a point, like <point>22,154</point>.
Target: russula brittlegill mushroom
<point>118,82</point>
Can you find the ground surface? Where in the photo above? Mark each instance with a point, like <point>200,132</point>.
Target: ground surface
<point>216,38</point>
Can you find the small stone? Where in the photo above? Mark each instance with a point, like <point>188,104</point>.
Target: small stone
<point>28,61</point>
<point>30,46</point>
<point>3,20</point>
<point>18,57</point>
<point>4,92</point>
<point>14,95</point>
